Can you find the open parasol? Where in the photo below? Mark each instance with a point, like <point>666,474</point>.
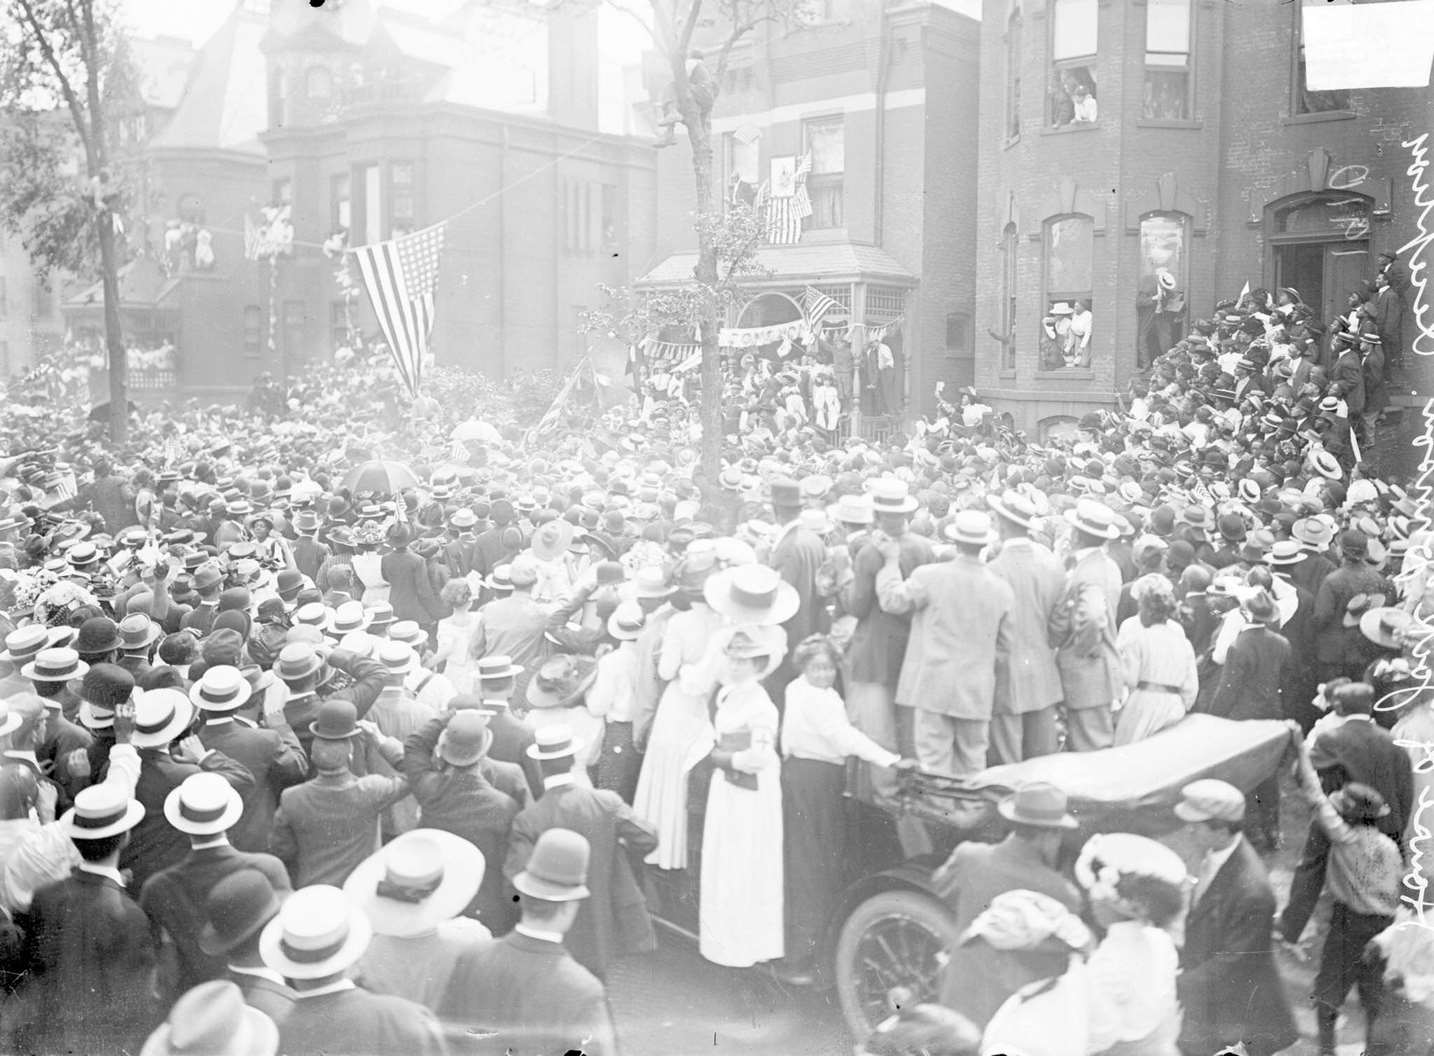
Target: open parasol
<point>381,477</point>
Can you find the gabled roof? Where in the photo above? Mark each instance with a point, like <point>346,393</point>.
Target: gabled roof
<point>224,103</point>
<point>814,262</point>
<point>142,284</point>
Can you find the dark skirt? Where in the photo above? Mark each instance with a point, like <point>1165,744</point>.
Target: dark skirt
<point>815,836</point>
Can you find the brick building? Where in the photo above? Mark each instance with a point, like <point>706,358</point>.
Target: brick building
<point>1121,138</point>
<point>881,98</point>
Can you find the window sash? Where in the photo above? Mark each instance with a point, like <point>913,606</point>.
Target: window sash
<point>1167,26</point>
<point>826,142</point>
<point>1075,29</point>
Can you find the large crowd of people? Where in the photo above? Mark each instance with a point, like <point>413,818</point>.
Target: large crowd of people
<point>337,725</point>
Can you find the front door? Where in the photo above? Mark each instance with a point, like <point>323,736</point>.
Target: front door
<point>1346,265</point>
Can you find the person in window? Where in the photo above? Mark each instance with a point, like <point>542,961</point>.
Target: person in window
<point>1052,356</point>
<point>1083,103</point>
<point>1078,349</point>
<point>1062,105</point>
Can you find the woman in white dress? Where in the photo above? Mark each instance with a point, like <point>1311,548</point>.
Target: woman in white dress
<point>454,632</point>
<point>681,717</point>
<point>1136,888</point>
<point>1157,663</point>
<point>741,909</point>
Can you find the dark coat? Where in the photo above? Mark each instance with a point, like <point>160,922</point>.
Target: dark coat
<point>273,999</point>
<point>410,590</point>
<point>92,961</point>
<point>309,556</point>
<point>1228,984</point>
<point>797,558</point>
<point>511,739</point>
<point>276,760</point>
<point>1366,753</point>
<point>1334,642</point>
<point>1254,671</point>
<point>878,645</point>
<point>533,995</point>
<point>356,1021</point>
<point>979,978</point>
<point>173,899</point>
<point>1349,372</point>
<point>613,920</point>
<point>154,843</point>
<point>464,803</point>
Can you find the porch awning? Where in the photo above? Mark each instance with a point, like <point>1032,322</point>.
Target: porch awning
<point>820,262</point>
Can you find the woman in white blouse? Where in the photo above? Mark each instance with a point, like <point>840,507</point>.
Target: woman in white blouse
<point>817,739</point>
<point>1157,662</point>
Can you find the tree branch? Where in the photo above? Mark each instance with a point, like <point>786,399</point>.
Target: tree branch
<point>647,27</point>
<point>67,91</point>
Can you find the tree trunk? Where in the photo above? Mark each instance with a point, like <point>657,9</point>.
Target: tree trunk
<point>114,335</point>
<point>699,133</point>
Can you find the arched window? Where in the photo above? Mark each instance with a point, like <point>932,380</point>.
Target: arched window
<point>1065,340</point>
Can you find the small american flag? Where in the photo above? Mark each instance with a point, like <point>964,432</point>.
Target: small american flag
<point>785,215</point>
<point>815,306</point>
<point>400,276</point>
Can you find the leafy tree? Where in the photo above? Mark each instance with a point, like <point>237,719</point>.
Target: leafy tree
<point>66,82</point>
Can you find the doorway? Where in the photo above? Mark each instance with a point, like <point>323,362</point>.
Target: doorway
<point>1324,273</point>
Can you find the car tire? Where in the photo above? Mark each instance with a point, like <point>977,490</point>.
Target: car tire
<point>892,941</point>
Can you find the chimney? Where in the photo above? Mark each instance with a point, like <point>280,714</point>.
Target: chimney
<point>573,66</point>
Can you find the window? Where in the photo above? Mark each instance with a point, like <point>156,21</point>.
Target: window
<point>741,166</point>
<point>1162,247</point>
<point>577,218</point>
<point>253,329</point>
<point>611,238</point>
<point>825,141</point>
<point>1167,60</point>
<point>295,323</point>
<point>367,212</point>
<point>1074,32</point>
<point>278,85</point>
<point>318,82</point>
<point>401,188</point>
<point>1069,252</point>
<point>338,325</point>
<point>812,12</point>
<point>1013,76</point>
<point>1007,335</point>
<point>1306,101</point>
<point>958,334</point>
<point>340,213</point>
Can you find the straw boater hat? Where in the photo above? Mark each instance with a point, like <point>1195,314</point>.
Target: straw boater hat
<point>969,528</point>
<point>751,594</point>
<point>890,495</point>
<point>494,668</point>
<point>160,715</point>
<point>204,804</point>
<point>414,883</point>
<point>24,643</point>
<point>101,810</point>
<point>55,665</point>
<point>319,932</point>
<point>651,582</point>
<point>554,742</point>
<point>1384,626</point>
<point>626,621</point>
<point>1040,804</point>
<point>1094,519</point>
<point>1014,507</point>
<point>557,870</point>
<point>221,690</point>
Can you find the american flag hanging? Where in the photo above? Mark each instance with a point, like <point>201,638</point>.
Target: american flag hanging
<point>785,215</point>
<point>815,306</point>
<point>400,276</point>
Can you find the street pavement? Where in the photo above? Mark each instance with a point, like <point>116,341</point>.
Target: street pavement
<point>674,1003</point>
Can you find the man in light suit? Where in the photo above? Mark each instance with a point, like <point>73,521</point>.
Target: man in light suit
<point>977,979</point>
<point>614,920</point>
<point>1082,629</point>
<point>1024,723</point>
<point>959,651</point>
<point>514,626</point>
<point>1229,986</point>
<point>524,991</point>
<point>317,936</point>
<point>797,555</point>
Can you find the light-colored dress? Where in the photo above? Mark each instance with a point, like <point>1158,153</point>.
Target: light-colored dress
<point>368,570</point>
<point>1158,655</point>
<point>1134,1009</point>
<point>453,633</point>
<point>740,913</point>
<point>680,721</point>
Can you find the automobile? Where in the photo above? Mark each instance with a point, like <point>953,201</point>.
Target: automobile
<point>886,941</point>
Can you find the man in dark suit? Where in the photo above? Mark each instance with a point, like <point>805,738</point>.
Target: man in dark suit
<point>797,554</point>
<point>410,590</point>
<point>235,913</point>
<point>1228,984</point>
<point>1357,750</point>
<point>1348,373</point>
<point>313,679</point>
<point>978,980</point>
<point>1339,646</point>
<point>208,584</point>
<point>525,988</point>
<point>309,553</point>
<point>204,808</point>
<point>442,762</point>
<point>614,920</point>
<point>90,952</point>
<point>273,754</point>
<point>496,683</point>
<point>317,936</point>
<point>169,752</point>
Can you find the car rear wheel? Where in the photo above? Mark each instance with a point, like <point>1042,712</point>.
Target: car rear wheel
<point>889,955</point>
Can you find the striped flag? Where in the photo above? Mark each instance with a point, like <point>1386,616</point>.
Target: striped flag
<point>815,306</point>
<point>400,276</point>
<point>785,215</point>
